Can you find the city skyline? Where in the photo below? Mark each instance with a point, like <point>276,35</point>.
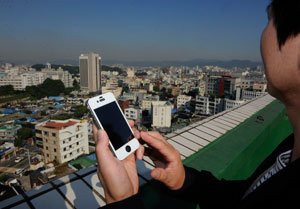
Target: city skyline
<point>34,31</point>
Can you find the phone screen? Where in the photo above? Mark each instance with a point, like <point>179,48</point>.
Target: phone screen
<point>114,124</point>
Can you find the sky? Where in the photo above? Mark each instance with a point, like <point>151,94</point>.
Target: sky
<point>131,30</point>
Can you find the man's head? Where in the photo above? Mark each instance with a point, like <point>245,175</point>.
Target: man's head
<point>280,48</point>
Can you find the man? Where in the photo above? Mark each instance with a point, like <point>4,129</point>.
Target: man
<point>276,182</point>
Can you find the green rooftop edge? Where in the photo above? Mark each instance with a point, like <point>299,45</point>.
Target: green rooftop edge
<point>235,155</point>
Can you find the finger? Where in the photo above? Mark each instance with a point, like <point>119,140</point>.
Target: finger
<point>140,152</point>
<point>156,135</point>
<point>159,174</point>
<point>131,123</point>
<point>95,132</point>
<point>161,146</point>
<point>136,133</point>
<point>102,145</point>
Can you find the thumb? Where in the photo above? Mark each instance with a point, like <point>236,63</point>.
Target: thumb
<point>159,174</point>
<point>102,142</point>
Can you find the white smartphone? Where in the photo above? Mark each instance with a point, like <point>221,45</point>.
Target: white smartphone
<point>108,115</point>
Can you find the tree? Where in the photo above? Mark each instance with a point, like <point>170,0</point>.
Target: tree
<point>23,134</point>
<point>48,88</point>
<point>6,90</point>
<point>80,111</point>
<point>62,117</point>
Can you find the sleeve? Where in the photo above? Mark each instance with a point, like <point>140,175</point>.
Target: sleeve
<point>133,202</point>
<point>209,192</point>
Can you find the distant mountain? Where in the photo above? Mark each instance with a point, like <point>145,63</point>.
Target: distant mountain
<point>191,63</point>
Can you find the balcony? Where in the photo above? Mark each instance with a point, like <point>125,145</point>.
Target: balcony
<point>222,144</point>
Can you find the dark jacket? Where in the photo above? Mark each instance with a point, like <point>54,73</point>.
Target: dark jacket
<point>280,191</point>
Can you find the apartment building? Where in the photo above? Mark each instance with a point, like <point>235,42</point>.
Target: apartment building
<point>133,114</point>
<point>183,101</point>
<point>147,101</point>
<point>228,103</point>
<point>209,105</point>
<point>221,85</point>
<point>59,74</point>
<point>161,114</point>
<point>8,132</point>
<point>20,81</point>
<point>249,95</point>
<point>63,141</point>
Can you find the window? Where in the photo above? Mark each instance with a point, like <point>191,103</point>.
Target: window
<point>46,148</point>
<point>65,156</point>
<point>77,143</point>
<point>65,149</point>
<point>47,155</point>
<point>54,149</point>
<point>53,134</point>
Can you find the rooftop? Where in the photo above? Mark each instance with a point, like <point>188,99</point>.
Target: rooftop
<point>59,126</point>
<point>222,144</point>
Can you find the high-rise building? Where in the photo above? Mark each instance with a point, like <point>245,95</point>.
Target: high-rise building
<point>90,72</point>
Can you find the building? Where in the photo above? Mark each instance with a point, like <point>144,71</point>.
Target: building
<point>133,114</point>
<point>228,103</point>
<point>90,72</point>
<point>147,101</point>
<point>259,87</point>
<point>21,80</point>
<point>7,151</point>
<point>161,114</point>
<point>208,105</point>
<point>63,140</point>
<point>59,74</point>
<point>183,101</point>
<point>249,95</point>
<point>9,132</point>
<point>175,91</point>
<point>115,91</point>
<point>221,85</point>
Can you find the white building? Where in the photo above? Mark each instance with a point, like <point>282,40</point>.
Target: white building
<point>20,81</point>
<point>161,114</point>
<point>133,114</point>
<point>249,95</point>
<point>208,105</point>
<point>183,101</point>
<point>63,141</point>
<point>8,132</point>
<point>228,103</point>
<point>59,74</point>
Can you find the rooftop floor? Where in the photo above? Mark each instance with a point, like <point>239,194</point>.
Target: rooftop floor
<point>222,144</point>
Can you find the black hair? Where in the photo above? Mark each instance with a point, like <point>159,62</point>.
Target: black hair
<point>286,17</point>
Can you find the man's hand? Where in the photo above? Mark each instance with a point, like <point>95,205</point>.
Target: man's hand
<point>169,168</point>
<point>118,178</point>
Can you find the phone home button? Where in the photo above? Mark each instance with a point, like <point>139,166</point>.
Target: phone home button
<point>128,148</point>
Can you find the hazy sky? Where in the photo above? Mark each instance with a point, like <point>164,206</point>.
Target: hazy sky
<point>131,30</point>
